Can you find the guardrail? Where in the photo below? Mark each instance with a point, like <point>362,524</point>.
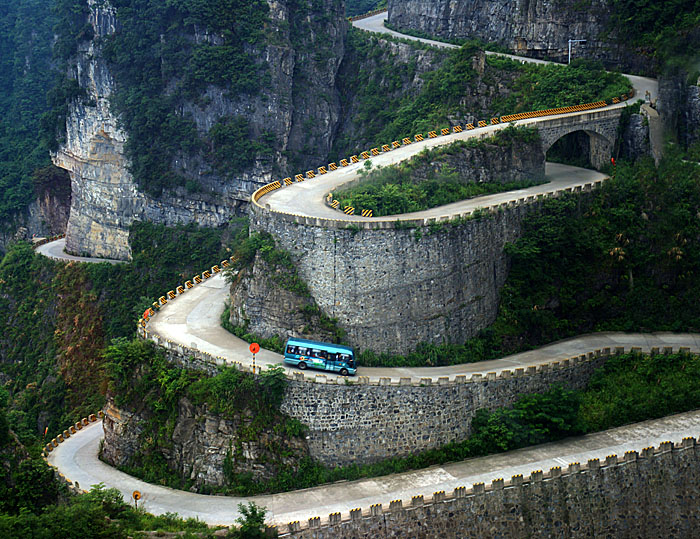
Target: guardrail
<point>44,241</point>
<point>420,137</point>
<point>55,442</point>
<point>484,211</point>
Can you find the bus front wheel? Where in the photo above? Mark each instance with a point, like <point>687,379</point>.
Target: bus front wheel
<point>343,372</point>
<point>302,365</point>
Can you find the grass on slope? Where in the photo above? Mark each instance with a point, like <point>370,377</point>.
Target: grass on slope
<point>625,259</point>
<point>409,187</point>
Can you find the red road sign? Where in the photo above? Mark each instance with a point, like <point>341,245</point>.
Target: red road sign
<point>255,348</point>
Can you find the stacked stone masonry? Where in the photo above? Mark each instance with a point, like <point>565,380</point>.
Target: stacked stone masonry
<point>445,274</point>
<point>652,493</point>
<point>367,419</point>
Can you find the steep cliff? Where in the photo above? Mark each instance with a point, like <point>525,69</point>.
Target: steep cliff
<point>679,105</point>
<point>168,424</point>
<point>123,170</point>
<point>204,449</point>
<point>48,212</point>
<point>538,28</point>
<point>271,300</point>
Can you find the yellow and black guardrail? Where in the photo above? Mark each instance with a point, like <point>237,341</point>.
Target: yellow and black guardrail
<point>420,137</point>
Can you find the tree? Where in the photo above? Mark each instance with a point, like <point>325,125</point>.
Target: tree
<point>252,523</point>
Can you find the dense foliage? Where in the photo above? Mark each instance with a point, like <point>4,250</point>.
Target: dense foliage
<point>373,82</point>
<point>159,65</point>
<point>283,273</point>
<point>390,100</point>
<point>418,184</point>
<point>625,259</point>
<point>360,7</point>
<point>141,376</point>
<point>101,511</point>
<point>544,86</point>
<point>628,388</point>
<point>56,319</point>
<point>26,73</point>
<point>659,25</point>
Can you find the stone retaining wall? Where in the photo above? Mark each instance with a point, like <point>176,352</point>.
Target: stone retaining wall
<point>370,419</point>
<point>654,493</point>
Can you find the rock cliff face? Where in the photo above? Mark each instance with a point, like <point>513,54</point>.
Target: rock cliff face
<point>203,444</point>
<point>299,106</point>
<point>390,72</point>
<point>391,289</point>
<point>635,138</point>
<point>48,213</point>
<point>679,106</point>
<point>539,28</point>
<point>490,163</point>
<point>261,304</point>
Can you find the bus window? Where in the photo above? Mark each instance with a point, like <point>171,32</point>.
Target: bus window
<point>319,355</point>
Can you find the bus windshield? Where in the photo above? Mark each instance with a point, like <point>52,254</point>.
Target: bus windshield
<point>319,355</point>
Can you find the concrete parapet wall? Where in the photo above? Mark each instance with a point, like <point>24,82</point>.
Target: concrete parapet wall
<point>652,493</point>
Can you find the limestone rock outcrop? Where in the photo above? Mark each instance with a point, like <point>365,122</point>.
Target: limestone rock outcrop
<point>203,447</point>
<point>538,28</point>
<point>259,302</point>
<point>106,198</point>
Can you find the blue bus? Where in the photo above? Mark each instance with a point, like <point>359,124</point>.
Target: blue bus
<point>320,355</point>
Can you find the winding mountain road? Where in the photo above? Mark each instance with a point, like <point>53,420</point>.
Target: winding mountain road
<point>193,320</point>
<point>57,251</point>
<point>77,459</point>
<point>307,198</point>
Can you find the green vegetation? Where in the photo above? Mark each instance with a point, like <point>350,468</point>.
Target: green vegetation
<point>628,388</point>
<point>56,319</point>
<point>101,511</point>
<point>540,87</point>
<point>274,343</point>
<point>26,73</point>
<point>417,184</point>
<point>360,7</point>
<point>278,261</point>
<point>283,274</point>
<point>664,27</point>
<point>623,259</point>
<point>388,105</point>
<point>158,66</point>
<point>141,376</point>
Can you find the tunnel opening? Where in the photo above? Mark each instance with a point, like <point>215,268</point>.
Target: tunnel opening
<point>581,148</point>
<point>573,149</point>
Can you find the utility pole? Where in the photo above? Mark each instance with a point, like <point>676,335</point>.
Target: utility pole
<point>574,41</point>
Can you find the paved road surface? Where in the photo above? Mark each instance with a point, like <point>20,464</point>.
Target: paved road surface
<point>376,24</point>
<point>77,459</point>
<point>193,319</point>
<point>56,250</point>
<point>308,198</point>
